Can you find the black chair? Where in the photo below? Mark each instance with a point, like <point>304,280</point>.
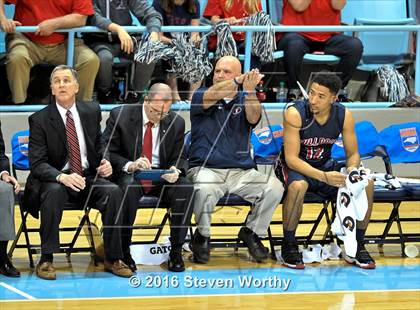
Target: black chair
<point>371,144</point>
<point>396,196</point>
<point>228,200</point>
<point>152,202</point>
<point>311,238</point>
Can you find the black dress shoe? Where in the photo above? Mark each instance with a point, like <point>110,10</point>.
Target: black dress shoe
<point>200,248</point>
<point>254,244</point>
<point>8,270</point>
<point>175,262</point>
<point>129,261</point>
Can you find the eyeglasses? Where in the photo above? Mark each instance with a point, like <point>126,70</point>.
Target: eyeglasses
<point>158,113</point>
<point>155,112</point>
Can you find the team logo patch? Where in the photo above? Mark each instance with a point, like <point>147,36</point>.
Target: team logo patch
<point>23,144</point>
<point>344,199</point>
<point>409,139</point>
<point>348,222</point>
<point>354,176</point>
<point>265,135</point>
<point>237,110</point>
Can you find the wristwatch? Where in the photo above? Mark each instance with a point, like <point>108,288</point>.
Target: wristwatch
<point>245,93</point>
<point>236,82</point>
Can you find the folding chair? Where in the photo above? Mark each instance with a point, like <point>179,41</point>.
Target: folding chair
<point>229,200</point>
<point>370,144</point>
<point>305,240</point>
<point>20,162</point>
<point>402,143</point>
<point>152,202</point>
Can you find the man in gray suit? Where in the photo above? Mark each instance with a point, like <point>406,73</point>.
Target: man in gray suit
<point>8,184</point>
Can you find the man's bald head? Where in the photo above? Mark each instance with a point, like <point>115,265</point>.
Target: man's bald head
<point>158,102</point>
<point>232,62</point>
<point>161,89</point>
<point>226,68</point>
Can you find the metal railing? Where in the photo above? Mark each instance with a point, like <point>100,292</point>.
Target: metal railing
<point>249,30</point>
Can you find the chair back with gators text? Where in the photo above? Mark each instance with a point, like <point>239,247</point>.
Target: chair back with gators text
<point>20,162</point>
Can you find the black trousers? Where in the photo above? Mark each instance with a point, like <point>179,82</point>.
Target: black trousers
<point>179,196</point>
<point>295,46</point>
<point>100,194</point>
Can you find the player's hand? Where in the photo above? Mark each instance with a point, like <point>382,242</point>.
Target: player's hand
<point>335,178</point>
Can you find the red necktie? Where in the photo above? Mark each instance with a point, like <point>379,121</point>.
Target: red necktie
<point>73,145</point>
<point>147,152</point>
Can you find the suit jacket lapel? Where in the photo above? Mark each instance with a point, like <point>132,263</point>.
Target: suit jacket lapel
<point>163,129</point>
<point>136,120</point>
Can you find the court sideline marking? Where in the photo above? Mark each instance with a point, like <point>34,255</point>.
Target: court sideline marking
<point>17,291</point>
<point>33,299</point>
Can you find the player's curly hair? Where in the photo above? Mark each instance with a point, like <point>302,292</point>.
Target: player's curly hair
<point>328,80</point>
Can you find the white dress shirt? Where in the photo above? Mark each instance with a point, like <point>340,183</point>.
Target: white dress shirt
<point>155,142</point>
<point>80,134</point>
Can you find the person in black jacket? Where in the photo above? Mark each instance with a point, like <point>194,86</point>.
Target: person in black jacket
<point>8,184</point>
<point>127,132</point>
<point>68,163</point>
<point>111,16</point>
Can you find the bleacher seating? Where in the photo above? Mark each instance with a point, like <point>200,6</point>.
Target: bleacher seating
<point>388,47</point>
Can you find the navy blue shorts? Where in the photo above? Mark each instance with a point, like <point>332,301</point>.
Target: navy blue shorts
<point>287,176</point>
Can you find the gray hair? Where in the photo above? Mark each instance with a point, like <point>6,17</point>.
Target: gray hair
<point>62,68</point>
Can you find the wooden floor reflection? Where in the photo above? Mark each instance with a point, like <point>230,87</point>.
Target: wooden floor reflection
<point>229,259</point>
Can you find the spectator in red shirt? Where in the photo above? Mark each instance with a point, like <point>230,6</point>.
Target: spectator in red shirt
<point>25,50</point>
<point>296,45</point>
<point>232,11</point>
